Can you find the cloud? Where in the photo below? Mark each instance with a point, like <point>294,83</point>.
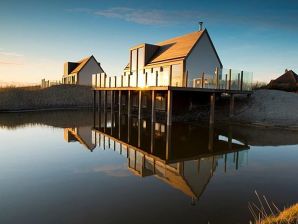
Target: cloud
<point>12,54</point>
<point>170,17</point>
<point>9,63</point>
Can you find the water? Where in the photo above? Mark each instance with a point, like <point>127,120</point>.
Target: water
<point>66,167</point>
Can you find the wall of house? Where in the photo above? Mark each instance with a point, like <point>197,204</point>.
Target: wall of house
<point>202,59</point>
<point>85,75</point>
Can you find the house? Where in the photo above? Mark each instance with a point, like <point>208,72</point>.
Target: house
<point>80,72</point>
<point>83,135</point>
<point>179,61</point>
<point>288,81</point>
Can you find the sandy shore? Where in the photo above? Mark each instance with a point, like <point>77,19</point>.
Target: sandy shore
<point>269,108</point>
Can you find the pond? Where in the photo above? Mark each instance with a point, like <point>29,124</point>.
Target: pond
<point>74,167</point>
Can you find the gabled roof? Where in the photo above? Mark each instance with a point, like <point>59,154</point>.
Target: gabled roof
<point>82,63</point>
<point>177,48</point>
<point>287,77</point>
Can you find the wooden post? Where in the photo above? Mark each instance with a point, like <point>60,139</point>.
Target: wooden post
<point>232,99</point>
<point>170,78</point>
<point>94,100</point>
<point>168,142</point>
<point>153,106</point>
<point>152,138</point>
<point>230,78</point>
<point>226,83</point>
<point>203,80</point>
<point>128,103</point>
<point>99,100</point>
<point>212,108</point>
<point>140,105</point>
<point>238,85</point>
<point>156,78</point>
<point>169,107</point>
<point>241,81</point>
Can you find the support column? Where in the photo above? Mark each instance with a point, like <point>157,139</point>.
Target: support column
<point>128,103</point>
<point>168,142</point>
<point>212,108</point>
<point>140,105</point>
<point>232,99</point>
<point>169,107</point>
<point>99,100</point>
<point>153,106</point>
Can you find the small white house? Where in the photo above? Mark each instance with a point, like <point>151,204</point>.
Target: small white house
<point>80,73</point>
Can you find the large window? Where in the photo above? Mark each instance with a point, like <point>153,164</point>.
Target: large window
<point>177,75</point>
<point>141,58</point>
<point>134,60</point>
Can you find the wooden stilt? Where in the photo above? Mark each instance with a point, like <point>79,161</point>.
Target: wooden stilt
<point>212,108</point>
<point>169,107</point>
<point>153,107</point>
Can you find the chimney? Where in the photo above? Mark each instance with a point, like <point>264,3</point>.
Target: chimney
<point>286,70</point>
<point>201,26</point>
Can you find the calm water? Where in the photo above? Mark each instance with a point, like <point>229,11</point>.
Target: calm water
<point>67,167</point>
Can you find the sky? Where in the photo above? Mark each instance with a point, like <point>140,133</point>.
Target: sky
<point>37,37</point>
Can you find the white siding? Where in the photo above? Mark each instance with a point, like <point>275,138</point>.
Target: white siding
<point>202,59</point>
<point>85,75</point>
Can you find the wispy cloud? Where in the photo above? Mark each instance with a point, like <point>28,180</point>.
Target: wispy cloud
<point>12,54</point>
<point>170,17</point>
<point>9,63</point>
<point>148,17</point>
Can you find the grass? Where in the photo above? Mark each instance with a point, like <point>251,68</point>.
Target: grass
<point>36,98</point>
<point>265,212</point>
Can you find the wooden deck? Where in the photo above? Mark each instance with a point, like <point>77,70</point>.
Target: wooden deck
<point>173,88</point>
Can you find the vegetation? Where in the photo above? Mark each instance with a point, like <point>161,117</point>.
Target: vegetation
<point>36,98</point>
<point>268,213</point>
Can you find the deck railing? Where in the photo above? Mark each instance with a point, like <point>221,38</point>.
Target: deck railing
<point>225,79</point>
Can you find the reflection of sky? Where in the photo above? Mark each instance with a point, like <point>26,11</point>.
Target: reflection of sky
<point>48,180</point>
<point>250,35</point>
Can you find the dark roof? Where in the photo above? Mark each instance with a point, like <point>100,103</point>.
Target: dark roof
<point>287,77</point>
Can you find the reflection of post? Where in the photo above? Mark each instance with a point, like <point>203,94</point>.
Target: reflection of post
<point>169,107</point>
<point>230,137</point>
<point>225,163</point>
<point>212,108</point>
<point>211,137</point>
<point>153,107</point>
<point>152,138</point>
<point>119,115</point>
<point>237,160</point>
<point>168,142</point>
<point>232,99</point>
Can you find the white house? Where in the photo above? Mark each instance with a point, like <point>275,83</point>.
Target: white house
<point>179,61</point>
<point>80,72</point>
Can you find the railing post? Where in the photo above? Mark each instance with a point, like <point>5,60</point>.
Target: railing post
<point>238,85</point>
<point>230,78</point>
<point>203,80</point>
<point>241,81</point>
<point>156,84</point>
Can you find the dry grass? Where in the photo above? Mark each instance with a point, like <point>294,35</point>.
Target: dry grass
<point>287,216</point>
<point>35,98</point>
<point>265,212</point>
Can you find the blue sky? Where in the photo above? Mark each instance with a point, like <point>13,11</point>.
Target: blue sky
<point>37,37</point>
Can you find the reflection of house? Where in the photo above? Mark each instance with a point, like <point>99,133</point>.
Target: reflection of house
<point>80,72</point>
<point>286,81</point>
<point>84,135</point>
<point>177,62</point>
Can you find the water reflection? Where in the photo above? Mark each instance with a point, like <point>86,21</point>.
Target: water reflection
<point>182,155</point>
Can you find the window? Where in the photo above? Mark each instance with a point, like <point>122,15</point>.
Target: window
<point>141,58</point>
<point>134,60</point>
<point>177,75</point>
